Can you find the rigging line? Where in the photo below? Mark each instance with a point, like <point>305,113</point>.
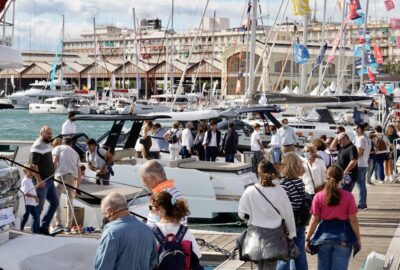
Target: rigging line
<point>284,67</point>
<point>264,50</point>
<point>261,19</point>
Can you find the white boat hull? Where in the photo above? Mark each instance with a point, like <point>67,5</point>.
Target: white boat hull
<point>47,109</point>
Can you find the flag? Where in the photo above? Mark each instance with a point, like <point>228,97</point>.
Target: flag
<point>54,67</point>
<point>369,58</point>
<point>378,54</point>
<point>358,3</point>
<point>397,41</point>
<point>389,5</point>
<point>361,19</point>
<point>395,23</point>
<point>302,54</point>
<point>335,45</point>
<point>357,63</point>
<point>300,7</point>
<point>353,14</point>
<point>371,76</point>
<point>358,50</point>
<point>320,57</point>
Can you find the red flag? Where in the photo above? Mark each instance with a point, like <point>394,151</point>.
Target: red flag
<point>371,76</point>
<point>378,54</point>
<point>389,5</point>
<point>395,23</point>
<point>353,15</point>
<point>383,90</point>
<point>397,39</point>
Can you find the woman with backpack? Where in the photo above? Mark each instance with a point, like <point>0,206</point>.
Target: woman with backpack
<point>382,146</point>
<point>260,213</point>
<point>292,169</point>
<point>173,137</point>
<point>333,230</point>
<point>185,252</point>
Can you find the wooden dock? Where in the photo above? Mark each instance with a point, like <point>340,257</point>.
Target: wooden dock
<point>378,226</point>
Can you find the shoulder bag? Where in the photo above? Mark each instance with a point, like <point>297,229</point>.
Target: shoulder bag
<point>316,189</point>
<point>302,215</point>
<point>258,243</point>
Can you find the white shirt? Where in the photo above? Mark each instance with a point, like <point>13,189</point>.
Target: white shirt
<point>255,138</point>
<point>288,137</point>
<point>68,160</point>
<point>275,141</point>
<point>363,142</point>
<point>68,127</point>
<point>261,213</point>
<point>167,228</point>
<point>187,138</point>
<point>94,158</point>
<point>317,169</point>
<point>27,187</point>
<point>213,140</point>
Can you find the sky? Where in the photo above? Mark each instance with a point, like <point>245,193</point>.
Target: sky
<point>38,22</point>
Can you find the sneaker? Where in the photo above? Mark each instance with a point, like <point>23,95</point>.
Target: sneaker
<point>67,230</point>
<point>380,182</point>
<point>44,231</point>
<point>362,209</point>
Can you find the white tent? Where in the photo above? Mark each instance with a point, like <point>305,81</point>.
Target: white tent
<point>10,58</point>
<point>286,90</point>
<point>316,90</point>
<point>297,90</point>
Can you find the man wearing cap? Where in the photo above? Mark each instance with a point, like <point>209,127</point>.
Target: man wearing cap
<point>363,148</point>
<point>288,137</point>
<point>347,159</point>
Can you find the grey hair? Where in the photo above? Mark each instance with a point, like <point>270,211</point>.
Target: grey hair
<point>189,124</point>
<point>115,201</point>
<point>43,129</point>
<point>153,167</point>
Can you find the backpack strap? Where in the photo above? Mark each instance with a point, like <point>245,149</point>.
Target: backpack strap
<point>98,153</point>
<point>181,233</point>
<point>158,234</point>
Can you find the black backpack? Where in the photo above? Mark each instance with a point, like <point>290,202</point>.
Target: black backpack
<point>171,254</point>
<point>173,138</point>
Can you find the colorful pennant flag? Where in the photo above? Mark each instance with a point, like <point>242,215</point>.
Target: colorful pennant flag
<point>371,76</point>
<point>361,19</point>
<point>389,5</point>
<point>321,56</point>
<point>353,14</point>
<point>300,7</point>
<point>378,54</point>
<point>397,41</point>
<point>358,4</point>
<point>395,23</point>
<point>358,50</point>
<point>331,57</point>
<point>302,54</point>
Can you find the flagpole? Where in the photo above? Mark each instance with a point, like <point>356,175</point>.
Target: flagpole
<point>339,67</point>
<point>95,55</point>
<point>252,72</point>
<point>322,40</point>
<point>303,66</point>
<point>363,47</point>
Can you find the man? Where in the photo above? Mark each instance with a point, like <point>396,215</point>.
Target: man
<point>357,116</point>
<point>230,143</point>
<point>288,137</point>
<point>256,146</point>
<point>40,157</point>
<point>347,159</point>
<point>211,142</point>
<point>126,243</point>
<point>68,127</point>
<point>187,141</point>
<point>99,160</point>
<point>155,141</point>
<point>155,180</point>
<point>363,145</point>
<point>68,170</point>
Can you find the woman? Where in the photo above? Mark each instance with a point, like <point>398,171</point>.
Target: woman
<point>322,153</point>
<point>145,140</point>
<point>382,146</point>
<point>292,169</point>
<point>338,232</point>
<point>391,134</point>
<point>198,141</point>
<point>171,212</point>
<point>314,174</point>
<point>173,136</point>
<point>372,157</point>
<point>258,212</point>
<point>275,146</point>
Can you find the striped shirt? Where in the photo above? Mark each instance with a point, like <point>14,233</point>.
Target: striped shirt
<point>295,190</point>
<point>168,187</point>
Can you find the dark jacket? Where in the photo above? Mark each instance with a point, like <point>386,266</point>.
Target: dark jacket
<point>230,142</point>
<point>209,134</point>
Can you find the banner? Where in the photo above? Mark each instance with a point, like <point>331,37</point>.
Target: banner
<point>371,76</point>
<point>353,14</point>
<point>300,7</point>
<point>358,4</point>
<point>358,50</point>
<point>302,54</point>
<point>395,23</point>
<point>389,5</point>
<point>320,57</point>
<point>361,19</point>
<point>397,41</point>
<point>378,54</point>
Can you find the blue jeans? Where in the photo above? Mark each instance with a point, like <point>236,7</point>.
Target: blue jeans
<point>300,263</point>
<point>371,168</point>
<point>276,155</point>
<point>48,193</point>
<point>185,152</point>
<point>31,210</point>
<point>362,188</point>
<point>379,169</point>
<point>230,158</point>
<point>211,153</point>
<point>333,257</point>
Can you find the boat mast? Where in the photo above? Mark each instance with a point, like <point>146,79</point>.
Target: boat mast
<point>136,53</point>
<point>95,54</point>
<point>252,72</point>
<point>342,45</point>
<point>321,66</point>
<point>62,54</point>
<point>212,52</point>
<point>172,49</point>
<point>363,47</point>
<point>303,67</point>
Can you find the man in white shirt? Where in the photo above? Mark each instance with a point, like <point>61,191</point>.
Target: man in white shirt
<point>187,141</point>
<point>67,163</point>
<point>211,142</point>
<point>288,137</point>
<point>256,146</point>
<point>363,148</point>
<point>68,127</point>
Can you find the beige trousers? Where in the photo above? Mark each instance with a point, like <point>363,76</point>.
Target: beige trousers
<point>70,180</point>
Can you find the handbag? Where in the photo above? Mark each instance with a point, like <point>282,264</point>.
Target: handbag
<point>259,243</point>
<point>302,216</point>
<point>316,189</point>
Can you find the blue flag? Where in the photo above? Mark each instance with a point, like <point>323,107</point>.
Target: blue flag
<point>320,57</point>
<point>302,54</point>
<point>358,50</point>
<point>54,67</point>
